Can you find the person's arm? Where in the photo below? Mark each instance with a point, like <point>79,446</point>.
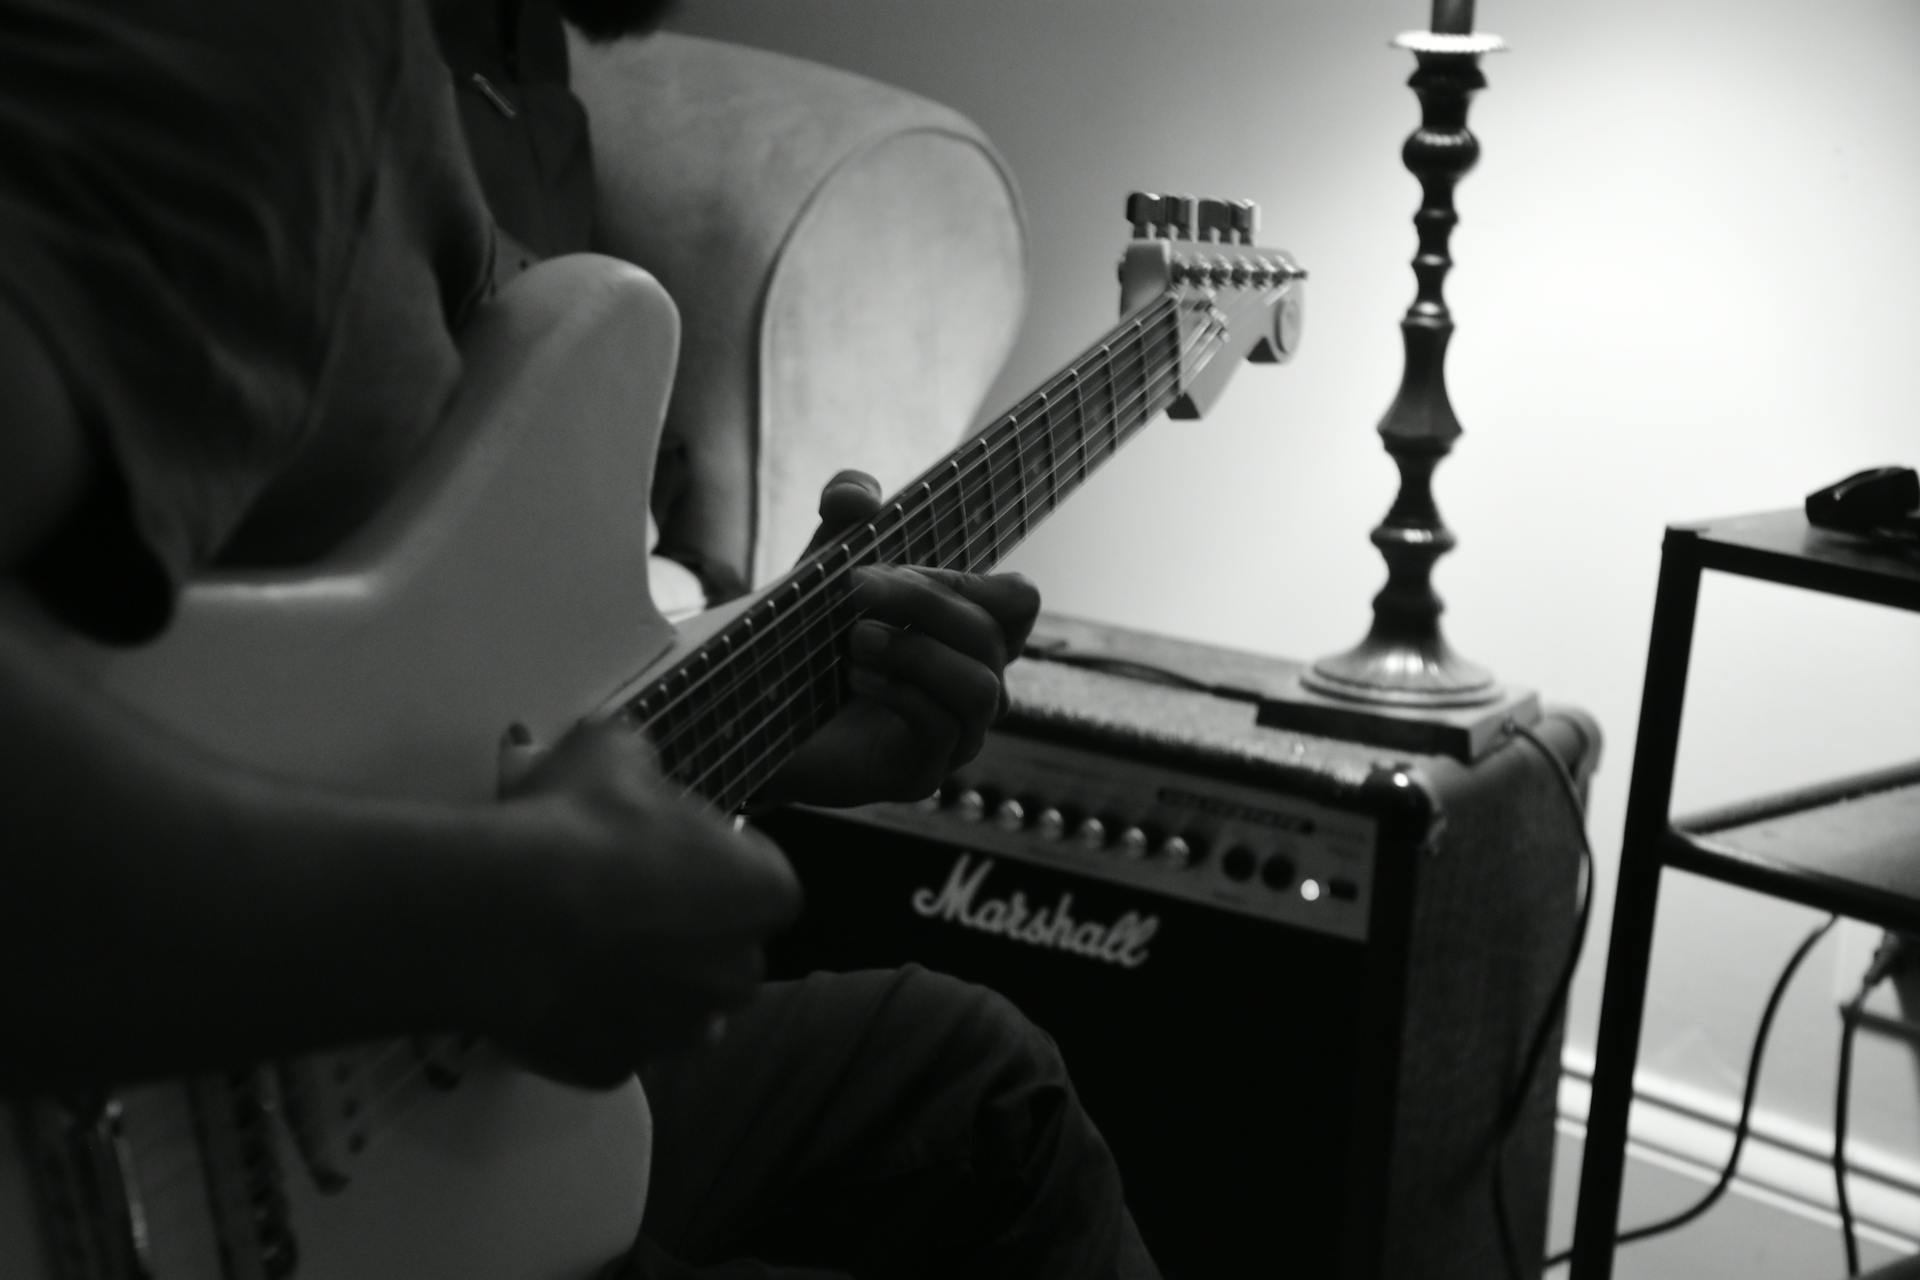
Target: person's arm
<point>162,909</point>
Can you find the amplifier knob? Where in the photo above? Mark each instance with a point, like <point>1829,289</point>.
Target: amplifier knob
<point>1237,864</point>
<point>970,805</point>
<point>1176,853</point>
<point>1010,816</point>
<point>1051,824</point>
<point>1133,843</point>
<point>1092,833</point>
<point>1278,872</point>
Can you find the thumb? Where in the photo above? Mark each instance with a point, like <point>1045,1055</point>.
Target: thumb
<point>848,499</point>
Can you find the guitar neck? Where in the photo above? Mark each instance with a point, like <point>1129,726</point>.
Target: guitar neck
<point>724,718</point>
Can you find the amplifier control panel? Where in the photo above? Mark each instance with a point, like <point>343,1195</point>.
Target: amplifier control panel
<point>1177,834</point>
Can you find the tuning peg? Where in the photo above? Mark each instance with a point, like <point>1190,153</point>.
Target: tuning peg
<point>1245,216</point>
<point>1178,219</point>
<point>1215,220</point>
<point>1145,211</point>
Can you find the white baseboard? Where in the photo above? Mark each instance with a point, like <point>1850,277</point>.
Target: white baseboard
<point>1781,1212</point>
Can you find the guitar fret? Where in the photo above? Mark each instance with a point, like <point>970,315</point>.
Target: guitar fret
<point>761,649</point>
<point>996,517</point>
<point>1080,391</point>
<point>890,545</point>
<point>929,552</point>
<point>668,740</point>
<point>740,754</point>
<point>1049,464</point>
<point>705,748</point>
<point>951,519</point>
<point>818,668</point>
<point>1123,398</point>
<point>1020,474</point>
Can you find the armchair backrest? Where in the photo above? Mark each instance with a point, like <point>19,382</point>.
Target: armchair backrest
<point>848,260</point>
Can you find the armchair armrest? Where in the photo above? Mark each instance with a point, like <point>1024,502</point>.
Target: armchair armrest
<point>849,263</point>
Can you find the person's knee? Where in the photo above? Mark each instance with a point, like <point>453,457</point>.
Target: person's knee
<point>983,1026</point>
<point>1013,1070</point>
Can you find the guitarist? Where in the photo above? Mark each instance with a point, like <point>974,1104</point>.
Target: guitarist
<point>236,240</point>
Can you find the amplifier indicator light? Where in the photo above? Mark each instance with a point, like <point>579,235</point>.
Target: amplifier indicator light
<point>1310,890</point>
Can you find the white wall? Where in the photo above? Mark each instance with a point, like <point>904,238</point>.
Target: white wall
<point>1687,284</point>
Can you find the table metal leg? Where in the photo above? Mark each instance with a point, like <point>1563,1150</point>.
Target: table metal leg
<point>1636,899</point>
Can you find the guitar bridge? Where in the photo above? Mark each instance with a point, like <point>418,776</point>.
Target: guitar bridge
<point>244,1187</point>
<point>82,1177</point>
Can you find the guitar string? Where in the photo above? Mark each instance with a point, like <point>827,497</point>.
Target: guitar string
<point>376,1107</point>
<point>826,576</point>
<point>760,659</point>
<point>961,474</point>
<point>725,666</point>
<point>924,493</point>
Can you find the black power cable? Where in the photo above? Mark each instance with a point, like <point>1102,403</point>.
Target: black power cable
<point>1741,1126</point>
<point>1556,1007</point>
<point>1849,1025</point>
<point>1888,959</point>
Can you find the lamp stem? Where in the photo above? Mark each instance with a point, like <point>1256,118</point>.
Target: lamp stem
<point>1404,660</point>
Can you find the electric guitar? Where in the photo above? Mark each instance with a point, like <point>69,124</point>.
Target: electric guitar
<point>505,585</point>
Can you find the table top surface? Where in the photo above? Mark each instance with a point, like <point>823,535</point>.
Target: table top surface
<point>1782,546</point>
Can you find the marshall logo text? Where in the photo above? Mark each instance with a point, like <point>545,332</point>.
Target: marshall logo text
<point>1124,942</point>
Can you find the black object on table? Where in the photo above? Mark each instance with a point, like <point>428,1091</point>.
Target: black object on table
<point>1851,847</point>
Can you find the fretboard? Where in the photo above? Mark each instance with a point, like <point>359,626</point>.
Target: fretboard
<point>724,718</point>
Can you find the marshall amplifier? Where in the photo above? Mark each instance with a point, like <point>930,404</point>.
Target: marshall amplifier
<point>1294,978</point>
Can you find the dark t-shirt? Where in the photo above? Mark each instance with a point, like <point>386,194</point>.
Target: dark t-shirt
<point>246,232</point>
<point>525,129</point>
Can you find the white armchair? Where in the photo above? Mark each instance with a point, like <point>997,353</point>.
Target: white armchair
<point>849,263</point>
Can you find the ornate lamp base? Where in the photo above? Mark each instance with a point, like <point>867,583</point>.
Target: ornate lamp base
<point>1424,673</point>
<point>1386,717</point>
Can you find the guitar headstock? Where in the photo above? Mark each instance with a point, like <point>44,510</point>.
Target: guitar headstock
<point>1236,300</point>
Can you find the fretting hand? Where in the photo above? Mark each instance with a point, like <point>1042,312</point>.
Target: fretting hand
<point>926,671</point>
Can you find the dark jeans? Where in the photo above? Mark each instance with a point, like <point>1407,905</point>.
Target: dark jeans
<point>878,1125</point>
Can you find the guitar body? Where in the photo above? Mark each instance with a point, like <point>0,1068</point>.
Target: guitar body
<point>506,584</point>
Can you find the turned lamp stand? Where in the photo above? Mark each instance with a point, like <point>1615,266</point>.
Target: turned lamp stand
<point>1404,685</point>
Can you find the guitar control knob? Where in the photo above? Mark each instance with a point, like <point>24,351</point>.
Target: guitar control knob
<point>1237,863</point>
<point>1091,833</point>
<point>1176,853</point>
<point>1132,843</point>
<point>1010,816</point>
<point>1278,872</point>
<point>970,805</point>
<point>1051,824</point>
